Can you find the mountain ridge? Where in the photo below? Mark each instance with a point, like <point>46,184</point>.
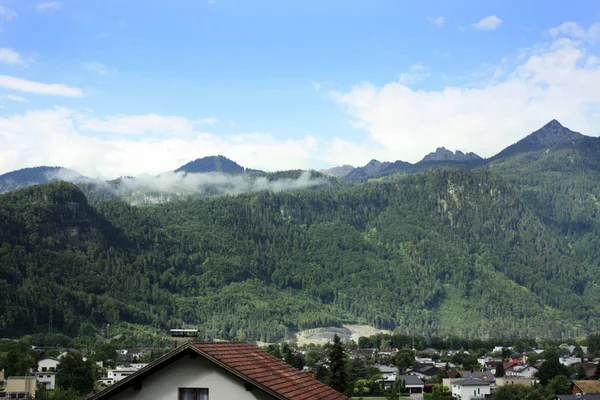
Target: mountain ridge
<point>442,252</point>
<point>551,135</point>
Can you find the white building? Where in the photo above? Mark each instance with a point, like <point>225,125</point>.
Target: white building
<point>486,359</point>
<point>521,371</point>
<point>120,373</point>
<point>569,360</point>
<point>470,389</point>
<point>202,371</point>
<point>46,372</point>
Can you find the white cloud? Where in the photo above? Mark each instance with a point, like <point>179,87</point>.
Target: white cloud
<point>55,137</point>
<point>14,97</point>
<point>437,21</point>
<point>559,80</point>
<point>22,85</point>
<point>489,23</point>
<point>96,68</point>
<point>142,124</point>
<point>49,6</point>
<point>7,13</point>
<point>9,56</point>
<point>575,31</point>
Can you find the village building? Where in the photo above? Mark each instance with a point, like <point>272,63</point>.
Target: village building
<point>207,371</point>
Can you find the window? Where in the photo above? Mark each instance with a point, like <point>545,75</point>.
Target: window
<point>193,394</point>
<point>44,369</point>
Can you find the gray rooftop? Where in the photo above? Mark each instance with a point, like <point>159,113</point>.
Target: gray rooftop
<point>412,380</point>
<point>471,382</point>
<point>386,368</point>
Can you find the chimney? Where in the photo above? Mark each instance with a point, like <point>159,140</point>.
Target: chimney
<point>179,337</point>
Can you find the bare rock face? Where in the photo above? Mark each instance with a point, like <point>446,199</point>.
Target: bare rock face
<point>443,154</point>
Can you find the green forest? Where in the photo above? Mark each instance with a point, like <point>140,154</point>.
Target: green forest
<point>507,249</point>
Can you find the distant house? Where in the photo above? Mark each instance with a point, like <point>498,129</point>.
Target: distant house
<point>209,371</point>
<point>521,371</point>
<point>20,387</point>
<point>491,366</point>
<point>486,359</point>
<point>423,370</point>
<point>387,370</point>
<point>567,361</point>
<point>483,375</point>
<point>586,387</point>
<point>46,372</point>
<point>362,353</point>
<point>589,368</point>
<point>388,352</point>
<point>120,373</point>
<point>507,380</point>
<point>413,383</point>
<point>510,364</point>
<point>453,374</point>
<point>470,389</point>
<point>124,356</point>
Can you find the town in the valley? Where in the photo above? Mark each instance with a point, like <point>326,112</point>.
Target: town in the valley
<point>369,368</point>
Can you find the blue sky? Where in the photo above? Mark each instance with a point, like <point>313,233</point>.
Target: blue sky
<point>117,87</point>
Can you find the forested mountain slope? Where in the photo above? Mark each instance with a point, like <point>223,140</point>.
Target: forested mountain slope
<point>447,251</point>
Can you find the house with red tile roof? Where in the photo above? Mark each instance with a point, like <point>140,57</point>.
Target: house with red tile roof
<point>586,387</point>
<point>510,364</point>
<point>207,371</point>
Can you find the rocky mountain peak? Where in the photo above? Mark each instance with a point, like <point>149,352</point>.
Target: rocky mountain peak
<point>443,154</point>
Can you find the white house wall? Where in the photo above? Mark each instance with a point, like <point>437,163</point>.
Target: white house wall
<point>192,373</point>
<point>467,392</point>
<point>47,363</point>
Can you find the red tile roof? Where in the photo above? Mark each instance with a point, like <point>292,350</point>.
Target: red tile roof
<point>509,364</point>
<point>267,372</point>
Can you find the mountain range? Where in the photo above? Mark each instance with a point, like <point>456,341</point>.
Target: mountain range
<point>501,247</point>
<point>550,135</point>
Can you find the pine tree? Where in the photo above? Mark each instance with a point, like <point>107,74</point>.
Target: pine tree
<point>75,374</point>
<point>499,370</point>
<point>338,378</point>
